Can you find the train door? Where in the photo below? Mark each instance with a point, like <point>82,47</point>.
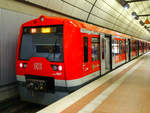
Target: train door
<point>95,54</point>
<point>129,41</point>
<point>138,48</point>
<point>105,53</point>
<point>86,63</point>
<point>127,50</point>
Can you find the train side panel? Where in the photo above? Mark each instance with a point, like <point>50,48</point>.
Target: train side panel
<point>79,65</point>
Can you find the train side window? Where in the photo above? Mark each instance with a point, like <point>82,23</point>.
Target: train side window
<point>114,47</point>
<point>85,44</point>
<point>120,47</point>
<point>95,49</point>
<point>124,46</point>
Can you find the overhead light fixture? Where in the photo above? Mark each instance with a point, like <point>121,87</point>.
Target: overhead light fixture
<point>126,6</point>
<point>134,15</point>
<point>145,27</point>
<point>141,23</point>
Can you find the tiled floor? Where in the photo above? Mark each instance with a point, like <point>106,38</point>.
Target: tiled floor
<point>125,90</point>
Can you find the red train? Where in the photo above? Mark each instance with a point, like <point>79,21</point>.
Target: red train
<point>56,56</point>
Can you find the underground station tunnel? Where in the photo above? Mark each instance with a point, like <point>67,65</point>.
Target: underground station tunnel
<point>74,56</point>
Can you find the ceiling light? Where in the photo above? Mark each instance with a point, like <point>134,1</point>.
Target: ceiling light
<point>145,27</point>
<point>126,6</point>
<point>134,15</point>
<point>141,22</point>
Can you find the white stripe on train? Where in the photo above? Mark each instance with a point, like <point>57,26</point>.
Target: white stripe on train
<point>68,83</point>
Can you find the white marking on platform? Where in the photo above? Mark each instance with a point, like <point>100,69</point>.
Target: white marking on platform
<point>89,108</point>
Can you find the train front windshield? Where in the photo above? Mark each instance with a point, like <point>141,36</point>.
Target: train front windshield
<point>44,42</point>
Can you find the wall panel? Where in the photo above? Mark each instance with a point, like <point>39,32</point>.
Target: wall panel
<point>1,28</point>
<point>10,23</point>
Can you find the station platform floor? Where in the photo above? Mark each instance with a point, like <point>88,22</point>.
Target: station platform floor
<point>124,90</point>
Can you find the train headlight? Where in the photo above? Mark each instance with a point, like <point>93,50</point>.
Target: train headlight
<point>21,65</point>
<point>56,67</point>
<point>60,68</point>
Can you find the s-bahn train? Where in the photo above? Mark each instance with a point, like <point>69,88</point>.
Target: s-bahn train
<point>56,56</point>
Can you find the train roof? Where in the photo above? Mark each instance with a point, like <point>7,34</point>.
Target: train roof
<point>83,25</point>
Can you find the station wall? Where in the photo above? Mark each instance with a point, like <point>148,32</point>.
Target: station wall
<point>10,23</point>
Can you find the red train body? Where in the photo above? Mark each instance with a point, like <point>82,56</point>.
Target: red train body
<point>57,55</point>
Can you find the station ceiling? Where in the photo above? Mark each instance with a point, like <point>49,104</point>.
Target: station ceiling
<point>106,13</point>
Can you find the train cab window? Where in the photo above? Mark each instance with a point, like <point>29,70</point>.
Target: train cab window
<point>95,49</point>
<point>85,44</point>
<point>40,44</point>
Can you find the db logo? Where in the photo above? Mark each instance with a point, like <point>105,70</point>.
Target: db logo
<point>37,66</point>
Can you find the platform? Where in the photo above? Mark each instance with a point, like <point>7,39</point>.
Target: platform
<point>124,90</point>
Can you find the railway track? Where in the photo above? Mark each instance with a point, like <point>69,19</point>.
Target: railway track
<point>17,106</point>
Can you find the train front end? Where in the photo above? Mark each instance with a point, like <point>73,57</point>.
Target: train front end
<point>40,61</point>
